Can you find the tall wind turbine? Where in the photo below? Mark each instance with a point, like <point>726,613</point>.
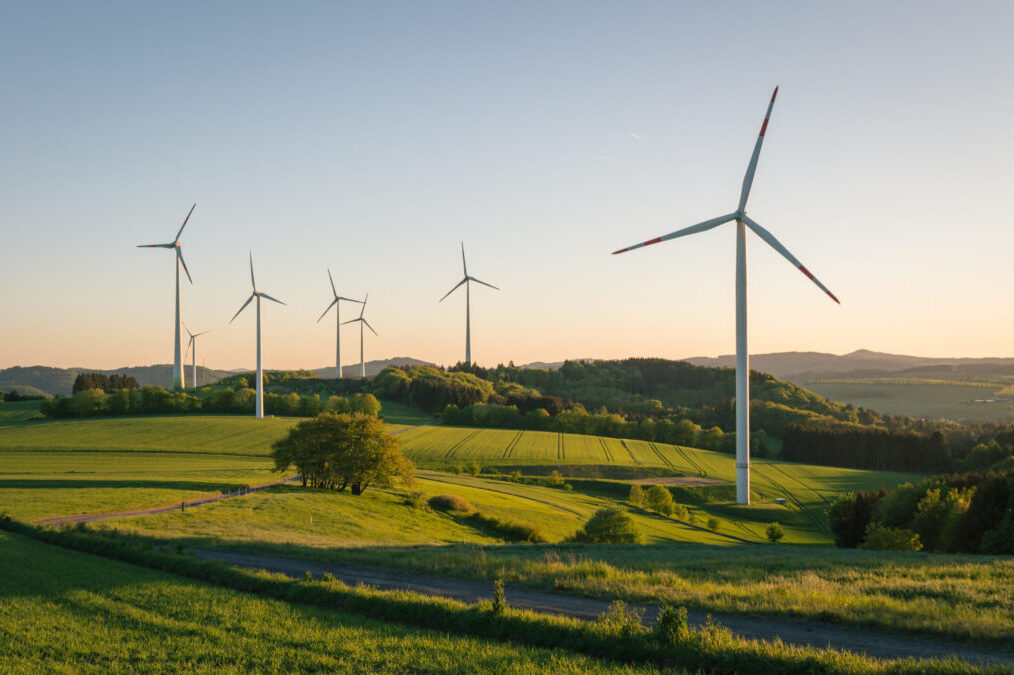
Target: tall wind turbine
<point>338,331</point>
<point>193,343</point>
<point>742,359</point>
<point>178,378</point>
<point>259,404</point>
<point>362,322</point>
<point>468,303</point>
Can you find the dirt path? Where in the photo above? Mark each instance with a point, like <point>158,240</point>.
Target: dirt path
<point>181,506</point>
<point>817,634</point>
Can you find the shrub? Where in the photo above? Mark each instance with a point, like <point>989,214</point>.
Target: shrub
<point>610,526</point>
<point>713,524</point>
<point>555,479</point>
<point>671,627</point>
<point>450,503</point>
<point>621,619</point>
<point>510,529</point>
<point>774,532</point>
<point>499,598</point>
<point>882,538</point>
<point>474,469</point>
<point>636,496</point>
<point>659,499</point>
<point>417,500</point>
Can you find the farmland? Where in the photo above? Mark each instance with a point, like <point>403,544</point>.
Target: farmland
<point>929,398</point>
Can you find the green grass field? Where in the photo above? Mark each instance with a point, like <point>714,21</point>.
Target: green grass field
<point>951,596</point>
<point>73,612</point>
<point>16,412</point>
<point>930,399</point>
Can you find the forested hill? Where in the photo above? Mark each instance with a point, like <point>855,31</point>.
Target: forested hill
<point>54,381</point>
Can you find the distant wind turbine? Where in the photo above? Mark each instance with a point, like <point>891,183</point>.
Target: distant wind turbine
<point>468,303</point>
<point>178,378</point>
<point>742,356</point>
<point>362,350</point>
<point>259,405</point>
<point>338,322</point>
<point>193,343</point>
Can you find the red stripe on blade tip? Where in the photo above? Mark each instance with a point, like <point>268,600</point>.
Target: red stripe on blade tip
<point>774,94</point>
<point>764,127</point>
<point>806,272</point>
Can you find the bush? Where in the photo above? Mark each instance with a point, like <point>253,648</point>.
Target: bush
<point>610,526</point>
<point>417,500</point>
<point>474,469</point>
<point>510,529</point>
<point>882,538</point>
<point>713,524</point>
<point>659,499</point>
<point>671,627</point>
<point>450,503</point>
<point>499,598</point>
<point>636,496</point>
<point>774,532</point>
<point>621,619</point>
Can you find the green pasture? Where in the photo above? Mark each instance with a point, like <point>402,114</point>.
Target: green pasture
<point>929,399</point>
<point>958,597</point>
<point>73,612</point>
<point>17,412</point>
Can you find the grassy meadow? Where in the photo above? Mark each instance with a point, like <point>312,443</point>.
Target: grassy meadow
<point>74,612</point>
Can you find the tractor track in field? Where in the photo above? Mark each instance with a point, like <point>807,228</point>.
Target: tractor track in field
<point>454,448</point>
<point>509,450</point>
<point>792,631</point>
<point>606,451</point>
<point>559,446</point>
<point>506,492</point>
<point>691,461</point>
<point>658,453</point>
<point>630,452</point>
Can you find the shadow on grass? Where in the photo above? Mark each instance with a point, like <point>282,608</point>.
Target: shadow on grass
<point>89,484</point>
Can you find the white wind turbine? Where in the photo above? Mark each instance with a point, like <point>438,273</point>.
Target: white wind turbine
<point>362,322</point>
<point>193,343</point>
<point>742,358</point>
<point>338,321</point>
<point>178,378</point>
<point>468,303</point>
<point>259,405</point>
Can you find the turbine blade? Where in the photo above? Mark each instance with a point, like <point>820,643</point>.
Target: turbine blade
<point>203,332</point>
<point>367,324</point>
<point>333,303</point>
<point>248,301</point>
<point>156,246</point>
<point>335,292</point>
<point>351,321</point>
<point>693,229</point>
<point>463,264</point>
<point>179,254</point>
<point>752,167</point>
<point>777,245</point>
<point>483,283</point>
<point>453,289</point>
<point>268,297</point>
<point>184,223</point>
<point>342,297</point>
<point>188,347</point>
<point>363,308</point>
<point>252,282</point>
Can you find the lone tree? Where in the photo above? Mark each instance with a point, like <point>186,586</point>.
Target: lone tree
<point>336,451</point>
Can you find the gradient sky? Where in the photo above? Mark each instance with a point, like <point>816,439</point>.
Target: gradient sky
<point>373,137</point>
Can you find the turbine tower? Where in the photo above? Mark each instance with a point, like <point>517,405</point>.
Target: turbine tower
<point>193,343</point>
<point>742,357</point>
<point>259,404</point>
<point>178,378</point>
<point>468,303</point>
<point>362,322</point>
<point>338,323</point>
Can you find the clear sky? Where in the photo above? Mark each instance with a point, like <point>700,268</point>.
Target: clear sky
<point>373,137</point>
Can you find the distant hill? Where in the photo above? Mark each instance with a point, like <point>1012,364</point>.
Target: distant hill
<point>372,367</point>
<point>805,366</point>
<point>54,381</point>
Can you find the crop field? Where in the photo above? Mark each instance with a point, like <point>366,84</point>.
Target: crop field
<point>75,612</point>
<point>930,399</point>
<point>806,488</point>
<point>16,412</point>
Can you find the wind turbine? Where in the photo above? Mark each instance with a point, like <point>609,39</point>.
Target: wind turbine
<point>259,405</point>
<point>742,358</point>
<point>193,343</point>
<point>362,322</point>
<point>468,303</point>
<point>337,315</point>
<point>178,378</point>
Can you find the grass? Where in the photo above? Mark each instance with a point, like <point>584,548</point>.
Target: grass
<point>930,399</point>
<point>395,412</point>
<point>18,412</point>
<point>70,611</point>
<point>954,597</point>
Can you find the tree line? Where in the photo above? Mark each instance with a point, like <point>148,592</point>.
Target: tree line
<point>971,512</point>
<point>13,395</point>
<point>106,383</point>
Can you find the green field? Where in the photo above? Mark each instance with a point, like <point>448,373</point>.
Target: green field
<point>930,399</point>
<point>73,612</point>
